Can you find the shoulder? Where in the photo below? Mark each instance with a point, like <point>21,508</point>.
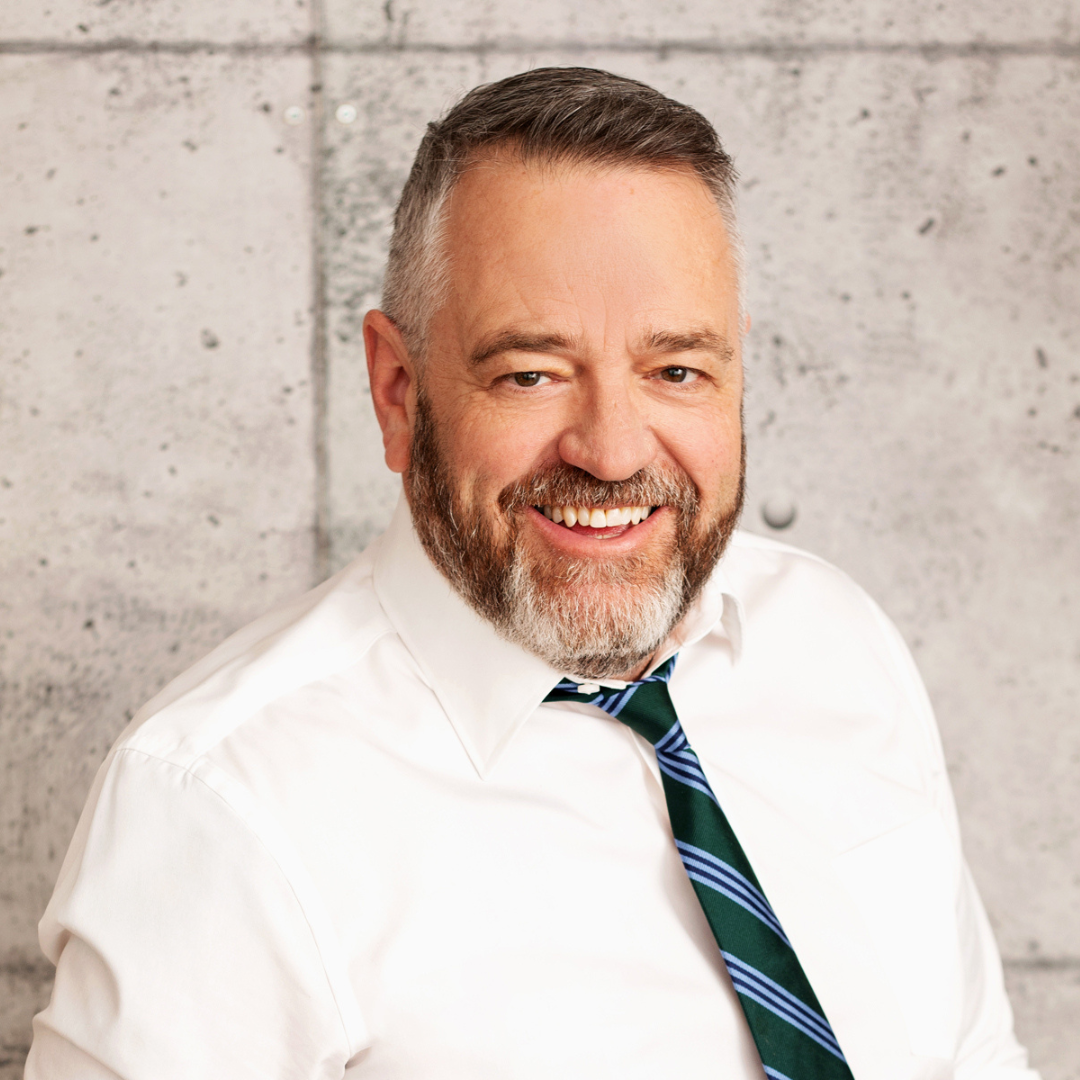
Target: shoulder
<point>756,559</point>
<point>793,596</point>
<point>299,644</point>
<point>822,647</point>
<point>160,785</point>
<point>808,622</point>
<point>771,578</point>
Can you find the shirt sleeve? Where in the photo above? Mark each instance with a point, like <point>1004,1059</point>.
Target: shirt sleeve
<point>987,1048</point>
<point>181,945</point>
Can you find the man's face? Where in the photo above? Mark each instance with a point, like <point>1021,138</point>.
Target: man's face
<point>587,357</point>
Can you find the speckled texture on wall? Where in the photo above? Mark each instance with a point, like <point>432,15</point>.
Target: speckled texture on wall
<point>185,431</point>
<point>157,485</point>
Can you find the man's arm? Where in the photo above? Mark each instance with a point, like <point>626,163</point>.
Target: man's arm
<point>988,1049</point>
<point>185,944</point>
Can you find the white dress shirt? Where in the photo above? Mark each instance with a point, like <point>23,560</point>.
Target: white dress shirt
<point>353,842</point>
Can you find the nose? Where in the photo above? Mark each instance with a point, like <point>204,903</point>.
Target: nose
<point>609,437</point>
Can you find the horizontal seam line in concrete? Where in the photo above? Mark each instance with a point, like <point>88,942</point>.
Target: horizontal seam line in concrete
<point>42,969</point>
<point>36,967</point>
<point>1043,963</point>
<point>766,49</point>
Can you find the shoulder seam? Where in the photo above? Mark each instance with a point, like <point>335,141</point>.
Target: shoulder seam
<point>192,754</point>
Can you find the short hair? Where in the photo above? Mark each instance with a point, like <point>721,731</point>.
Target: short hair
<point>572,115</point>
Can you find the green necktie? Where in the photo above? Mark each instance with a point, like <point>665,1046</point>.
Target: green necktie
<point>786,1020</point>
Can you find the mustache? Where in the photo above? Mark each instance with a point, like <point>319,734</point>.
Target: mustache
<point>567,485</point>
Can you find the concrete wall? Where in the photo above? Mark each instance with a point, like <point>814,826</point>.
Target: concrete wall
<point>191,228</point>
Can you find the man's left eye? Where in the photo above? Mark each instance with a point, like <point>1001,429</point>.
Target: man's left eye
<point>677,375</point>
<point>528,378</point>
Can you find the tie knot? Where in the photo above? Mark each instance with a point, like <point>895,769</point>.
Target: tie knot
<point>645,705</point>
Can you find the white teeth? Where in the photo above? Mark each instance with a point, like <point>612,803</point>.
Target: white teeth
<point>595,518</point>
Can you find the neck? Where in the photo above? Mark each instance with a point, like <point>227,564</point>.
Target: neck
<point>635,673</point>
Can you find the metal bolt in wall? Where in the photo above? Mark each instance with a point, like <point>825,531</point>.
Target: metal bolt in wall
<point>778,511</point>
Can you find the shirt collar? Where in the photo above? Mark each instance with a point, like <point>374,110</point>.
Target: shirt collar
<point>488,686</point>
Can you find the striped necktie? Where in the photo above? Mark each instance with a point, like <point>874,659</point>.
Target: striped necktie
<point>788,1024</point>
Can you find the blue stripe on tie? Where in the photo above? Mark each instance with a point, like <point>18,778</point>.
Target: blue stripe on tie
<point>725,879</point>
<point>783,999</point>
<point>710,880</point>
<point>701,785</point>
<point>664,672</point>
<point>685,776</point>
<point>782,1003</point>
<point>681,767</point>
<point>710,883</point>
<point>675,733</point>
<point>729,872</point>
<point>764,985</point>
<point>772,1074</point>
<point>618,701</point>
<point>719,884</point>
<point>751,993</point>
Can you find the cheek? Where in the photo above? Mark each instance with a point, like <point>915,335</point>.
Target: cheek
<point>488,449</point>
<point>709,450</point>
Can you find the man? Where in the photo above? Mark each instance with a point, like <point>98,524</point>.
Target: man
<point>441,818</point>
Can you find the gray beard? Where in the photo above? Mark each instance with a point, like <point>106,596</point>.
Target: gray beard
<point>591,618</point>
<point>588,632</point>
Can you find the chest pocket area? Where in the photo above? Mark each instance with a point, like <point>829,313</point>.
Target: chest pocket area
<point>906,886</point>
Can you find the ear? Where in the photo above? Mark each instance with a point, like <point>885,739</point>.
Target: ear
<point>392,375</point>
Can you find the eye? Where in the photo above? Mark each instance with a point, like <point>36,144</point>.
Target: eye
<point>528,378</point>
<point>678,375</point>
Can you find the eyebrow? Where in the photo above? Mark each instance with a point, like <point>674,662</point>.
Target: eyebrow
<point>517,341</point>
<point>658,341</point>
<point>672,341</point>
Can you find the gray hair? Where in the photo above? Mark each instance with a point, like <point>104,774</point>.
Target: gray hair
<point>578,116</point>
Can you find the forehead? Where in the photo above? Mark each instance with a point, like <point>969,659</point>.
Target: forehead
<point>572,243</point>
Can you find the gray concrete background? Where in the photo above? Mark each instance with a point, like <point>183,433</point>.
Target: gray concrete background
<point>185,435</point>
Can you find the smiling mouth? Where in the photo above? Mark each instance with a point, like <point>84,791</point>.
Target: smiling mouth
<point>595,517</point>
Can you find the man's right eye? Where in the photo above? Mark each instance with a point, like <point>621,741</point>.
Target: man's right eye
<point>527,378</point>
